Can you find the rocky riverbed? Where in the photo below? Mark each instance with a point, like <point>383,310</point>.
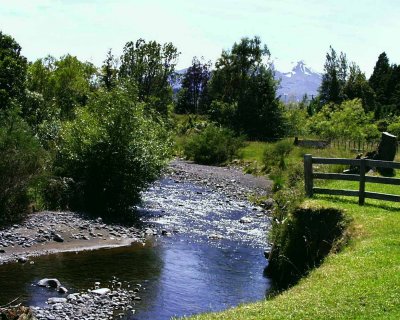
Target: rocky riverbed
<point>230,180</point>
<point>95,304</point>
<point>52,232</point>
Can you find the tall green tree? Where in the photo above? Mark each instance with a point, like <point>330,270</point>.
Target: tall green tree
<point>385,80</point>
<point>334,78</point>
<point>64,84</point>
<point>72,81</point>
<point>242,79</point>
<point>150,65</point>
<point>12,71</point>
<point>380,77</point>
<point>193,95</point>
<point>109,72</point>
<point>357,86</point>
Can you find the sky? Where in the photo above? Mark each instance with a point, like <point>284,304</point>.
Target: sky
<point>293,30</point>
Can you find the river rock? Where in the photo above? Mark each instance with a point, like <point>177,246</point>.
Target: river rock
<point>58,238</point>
<point>22,259</point>
<point>56,300</point>
<point>62,290</point>
<point>214,237</point>
<point>101,291</point>
<point>245,220</point>
<point>52,283</point>
<point>72,297</point>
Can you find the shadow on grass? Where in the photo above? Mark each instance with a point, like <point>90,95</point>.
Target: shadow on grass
<point>336,199</point>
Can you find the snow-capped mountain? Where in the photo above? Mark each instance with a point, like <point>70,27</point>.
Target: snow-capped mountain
<point>297,82</point>
<point>293,85</point>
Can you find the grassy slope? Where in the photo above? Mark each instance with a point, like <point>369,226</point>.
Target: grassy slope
<point>360,282</point>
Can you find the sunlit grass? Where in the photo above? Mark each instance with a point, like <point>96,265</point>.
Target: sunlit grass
<point>253,151</point>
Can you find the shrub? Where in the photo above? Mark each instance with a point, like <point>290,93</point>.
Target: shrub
<point>301,240</point>
<point>21,162</point>
<point>214,145</point>
<point>275,154</point>
<point>394,128</point>
<point>111,151</point>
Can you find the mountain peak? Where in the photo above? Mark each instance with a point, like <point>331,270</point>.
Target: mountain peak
<point>297,82</point>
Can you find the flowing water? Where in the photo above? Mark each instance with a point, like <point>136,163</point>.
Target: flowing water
<point>209,260</point>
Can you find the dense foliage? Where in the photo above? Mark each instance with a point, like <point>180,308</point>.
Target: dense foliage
<point>150,65</point>
<point>21,161</point>
<point>111,151</point>
<point>193,96</point>
<point>12,71</point>
<point>243,90</point>
<point>213,145</point>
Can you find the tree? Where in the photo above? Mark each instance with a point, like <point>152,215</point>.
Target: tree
<point>334,78</point>
<point>345,121</point>
<point>71,82</point>
<point>149,65</point>
<point>62,85</point>
<point>12,71</point>
<point>109,72</point>
<point>243,79</point>
<point>21,161</point>
<point>194,87</point>
<point>385,80</point>
<point>380,78</point>
<point>111,151</point>
<point>357,86</point>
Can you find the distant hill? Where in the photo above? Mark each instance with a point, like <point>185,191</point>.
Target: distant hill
<point>293,84</point>
<point>297,82</point>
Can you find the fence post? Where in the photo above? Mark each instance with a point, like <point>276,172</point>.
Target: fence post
<point>361,190</point>
<point>308,175</point>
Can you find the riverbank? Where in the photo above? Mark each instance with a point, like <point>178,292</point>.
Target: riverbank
<point>360,282</point>
<point>50,232</point>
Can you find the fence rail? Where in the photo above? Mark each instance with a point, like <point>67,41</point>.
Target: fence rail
<point>309,177</point>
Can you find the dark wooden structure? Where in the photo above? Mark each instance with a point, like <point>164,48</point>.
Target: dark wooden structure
<point>309,177</point>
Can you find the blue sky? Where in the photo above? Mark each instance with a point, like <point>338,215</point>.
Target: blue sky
<point>292,29</point>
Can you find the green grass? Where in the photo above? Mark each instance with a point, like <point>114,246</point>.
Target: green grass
<point>253,151</point>
<point>360,282</point>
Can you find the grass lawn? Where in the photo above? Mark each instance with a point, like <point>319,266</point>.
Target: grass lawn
<point>360,282</point>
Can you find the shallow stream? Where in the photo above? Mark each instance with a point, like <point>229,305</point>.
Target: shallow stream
<point>209,258</point>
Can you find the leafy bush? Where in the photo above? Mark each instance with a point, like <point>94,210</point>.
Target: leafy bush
<point>394,128</point>
<point>20,162</point>
<point>214,145</point>
<point>111,151</point>
<point>276,153</point>
<point>345,121</point>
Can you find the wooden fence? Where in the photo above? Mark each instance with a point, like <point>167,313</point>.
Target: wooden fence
<point>309,177</point>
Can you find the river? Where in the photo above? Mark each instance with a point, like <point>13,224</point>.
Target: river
<point>210,257</point>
